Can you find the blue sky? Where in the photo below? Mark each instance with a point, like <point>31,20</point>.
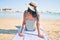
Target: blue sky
<point>43,5</point>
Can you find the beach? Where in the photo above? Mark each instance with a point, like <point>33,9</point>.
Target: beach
<point>9,27</point>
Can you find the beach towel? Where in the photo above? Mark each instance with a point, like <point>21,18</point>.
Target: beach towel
<point>30,35</point>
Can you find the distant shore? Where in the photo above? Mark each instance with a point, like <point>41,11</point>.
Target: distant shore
<point>51,27</point>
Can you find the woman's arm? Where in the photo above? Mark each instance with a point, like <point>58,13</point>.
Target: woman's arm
<point>38,25</point>
<point>38,28</point>
<point>23,25</point>
<point>24,22</point>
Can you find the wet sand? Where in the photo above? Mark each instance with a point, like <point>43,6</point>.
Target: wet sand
<point>9,27</point>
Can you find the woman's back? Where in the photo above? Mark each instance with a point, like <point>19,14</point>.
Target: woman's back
<point>30,22</point>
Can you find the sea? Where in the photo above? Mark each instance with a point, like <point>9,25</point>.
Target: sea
<point>45,16</point>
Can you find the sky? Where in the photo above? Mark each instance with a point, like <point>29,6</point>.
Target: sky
<point>43,5</point>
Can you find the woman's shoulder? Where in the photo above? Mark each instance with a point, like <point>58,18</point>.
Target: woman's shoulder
<point>25,12</point>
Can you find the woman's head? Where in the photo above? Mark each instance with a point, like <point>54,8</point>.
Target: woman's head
<point>32,5</point>
<point>32,9</point>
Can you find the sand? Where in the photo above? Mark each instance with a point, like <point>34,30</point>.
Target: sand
<point>9,27</point>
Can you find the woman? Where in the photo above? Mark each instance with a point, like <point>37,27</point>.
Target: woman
<point>31,17</point>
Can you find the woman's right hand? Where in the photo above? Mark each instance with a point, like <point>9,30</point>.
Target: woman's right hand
<point>41,36</point>
<point>21,35</point>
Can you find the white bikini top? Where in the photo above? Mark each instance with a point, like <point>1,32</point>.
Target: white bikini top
<point>30,25</point>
